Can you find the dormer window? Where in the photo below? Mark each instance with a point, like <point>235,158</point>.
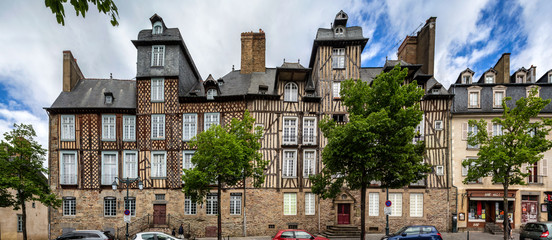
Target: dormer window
<point>466,79</point>
<point>550,78</point>
<point>290,92</point>
<point>339,31</point>
<point>108,98</point>
<point>211,93</point>
<point>520,78</point>
<point>157,28</point>
<point>489,78</point>
<point>435,91</point>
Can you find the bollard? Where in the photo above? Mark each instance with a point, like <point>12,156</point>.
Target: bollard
<point>468,232</point>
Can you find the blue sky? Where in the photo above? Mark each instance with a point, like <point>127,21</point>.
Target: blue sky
<point>469,33</point>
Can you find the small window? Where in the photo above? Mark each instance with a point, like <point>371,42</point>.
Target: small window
<point>69,206</point>
<point>271,226</point>
<point>190,207</point>
<point>157,55</point>
<point>110,206</point>
<point>19,223</point>
<point>157,27</point>
<point>520,78</point>
<point>489,78</point>
<point>435,91</point>
<point>290,92</point>
<point>466,79</point>
<point>160,197</point>
<point>439,170</point>
<point>338,58</point>
<point>339,118</point>
<point>339,32</point>
<point>336,88</point>
<point>211,93</point>
<point>497,100</point>
<point>108,98</point>
<point>438,125</point>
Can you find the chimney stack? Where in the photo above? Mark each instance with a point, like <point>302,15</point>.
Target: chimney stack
<point>253,52</point>
<point>420,49</point>
<point>71,71</point>
<point>502,68</point>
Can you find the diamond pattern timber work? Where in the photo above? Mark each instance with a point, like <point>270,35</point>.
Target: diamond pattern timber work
<point>173,169</point>
<point>143,94</point>
<point>171,95</point>
<point>144,141</point>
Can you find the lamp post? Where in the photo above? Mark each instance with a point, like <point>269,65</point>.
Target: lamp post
<point>127,181</point>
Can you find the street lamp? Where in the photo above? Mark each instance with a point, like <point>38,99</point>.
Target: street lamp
<point>127,181</point>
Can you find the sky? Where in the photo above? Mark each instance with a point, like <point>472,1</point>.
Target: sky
<point>470,34</point>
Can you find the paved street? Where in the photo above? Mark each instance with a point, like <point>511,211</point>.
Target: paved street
<point>446,236</point>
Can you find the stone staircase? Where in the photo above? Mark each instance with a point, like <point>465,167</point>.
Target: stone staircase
<point>493,228</point>
<point>160,228</point>
<point>341,232</point>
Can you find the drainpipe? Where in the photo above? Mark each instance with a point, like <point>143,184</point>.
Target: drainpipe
<point>318,214</point>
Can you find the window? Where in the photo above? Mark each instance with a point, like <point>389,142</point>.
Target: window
<point>157,28</point>
<point>474,100</point>
<point>310,202</point>
<point>211,119</point>
<point>157,89</point>
<point>68,127</point>
<point>129,128</point>
<point>489,78</point>
<point>309,130</point>
<point>438,125</point>
<point>108,98</point>
<point>211,207</point>
<point>187,159</point>
<point>472,131</point>
<point>466,79</point>
<point>338,58</point>
<point>520,78</point>
<point>259,128</point>
<point>110,206</point>
<point>290,92</point>
<point>190,207</point>
<point>528,90</point>
<point>211,93</point>
<point>189,128</point>
<point>235,203</point>
<point>550,78</point>
<point>290,160</point>
<point>416,204</point>
<point>336,88</point>
<point>68,168</point>
<point>498,97</point>
<point>158,126</point>
<point>373,204</point>
<point>339,118</point>
<point>466,169</point>
<point>158,165</point>
<point>396,207</point>
<point>160,197</point>
<point>130,164</point>
<point>290,203</point>
<point>497,129</point>
<point>157,55</point>
<point>69,206</point>
<point>108,127</point>
<point>339,32</point>
<point>130,204</point>
<point>435,91</point>
<point>290,130</point>
<point>109,167</point>
<point>19,223</point>
<point>439,170</point>
<point>419,131</point>
<point>309,163</point>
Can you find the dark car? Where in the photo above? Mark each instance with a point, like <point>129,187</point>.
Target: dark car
<point>86,235</point>
<point>419,232</point>
<point>538,230</point>
<point>296,234</point>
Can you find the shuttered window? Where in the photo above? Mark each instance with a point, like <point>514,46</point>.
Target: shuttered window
<point>290,203</point>
<point>109,167</point>
<point>396,206</point>
<point>129,128</point>
<point>130,164</point>
<point>416,204</point>
<point>158,126</point>
<point>68,127</point>
<point>310,202</point>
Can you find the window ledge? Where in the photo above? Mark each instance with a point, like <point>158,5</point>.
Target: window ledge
<point>289,177</point>
<point>67,140</point>
<point>157,139</point>
<point>158,178</point>
<point>157,101</point>
<point>158,66</point>
<point>129,140</point>
<point>338,68</point>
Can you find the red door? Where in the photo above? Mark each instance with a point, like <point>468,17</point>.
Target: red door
<point>343,213</point>
<point>159,214</point>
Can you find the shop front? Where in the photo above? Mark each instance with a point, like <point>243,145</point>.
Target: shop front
<point>487,206</point>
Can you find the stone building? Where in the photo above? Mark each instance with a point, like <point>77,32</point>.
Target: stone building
<point>480,203</point>
<point>106,128</point>
<point>11,225</point>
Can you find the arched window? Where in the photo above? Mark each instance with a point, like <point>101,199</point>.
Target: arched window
<point>211,93</point>
<point>290,92</point>
<point>157,28</point>
<point>339,31</point>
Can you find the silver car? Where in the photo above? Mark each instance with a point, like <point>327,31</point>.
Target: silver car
<point>85,235</point>
<point>154,236</point>
<point>538,230</point>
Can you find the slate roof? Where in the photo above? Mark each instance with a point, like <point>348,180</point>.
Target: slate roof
<point>351,33</point>
<point>89,93</point>
<point>544,78</point>
<point>369,74</point>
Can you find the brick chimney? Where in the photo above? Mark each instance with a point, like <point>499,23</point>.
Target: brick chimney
<point>71,71</point>
<point>502,68</point>
<point>252,52</point>
<point>420,49</point>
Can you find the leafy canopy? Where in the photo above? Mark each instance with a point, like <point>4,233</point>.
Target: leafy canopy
<point>81,7</point>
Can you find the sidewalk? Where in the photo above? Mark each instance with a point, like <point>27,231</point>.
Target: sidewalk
<point>446,236</point>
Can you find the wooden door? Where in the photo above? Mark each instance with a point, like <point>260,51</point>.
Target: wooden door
<point>343,213</point>
<point>159,214</point>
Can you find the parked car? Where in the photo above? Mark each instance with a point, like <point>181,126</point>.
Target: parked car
<point>537,230</point>
<point>421,232</point>
<point>86,235</point>
<point>296,234</point>
<point>154,236</point>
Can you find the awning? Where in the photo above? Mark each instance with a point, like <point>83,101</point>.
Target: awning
<point>490,199</point>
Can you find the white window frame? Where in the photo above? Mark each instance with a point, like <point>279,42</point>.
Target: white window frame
<point>69,206</point>
<point>157,28</point>
<point>130,166</point>
<point>416,204</point>
<point>338,58</point>
<point>439,170</point>
<point>309,164</point>
<point>189,126</point>
<point>111,209</point>
<point>211,207</point>
<point>62,170</point>
<point>109,127</point>
<point>187,159</point>
<point>235,204</point>
<point>290,204</point>
<point>158,169</point>
<point>550,78</point>
<point>520,78</point>
<point>158,55</point>
<point>158,126</point>
<point>211,93</point>
<point>262,131</point>
<point>396,206</point>
<point>289,165</point>
<point>131,205</point>
<point>129,128</point>
<point>109,172</point>
<point>336,88</point>
<point>466,79</point>
<point>489,78</point>
<point>67,128</point>
<point>291,90</point>
<point>310,203</point>
<point>497,129</point>
<point>466,169</point>
<point>438,125</point>
<point>309,130</point>
<point>289,132</point>
<point>473,103</point>
<point>208,120</point>
<point>157,89</point>
<point>497,103</point>
<point>472,128</point>
<point>190,207</point>
<point>373,204</point>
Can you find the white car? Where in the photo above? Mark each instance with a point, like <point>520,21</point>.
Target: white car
<point>154,236</point>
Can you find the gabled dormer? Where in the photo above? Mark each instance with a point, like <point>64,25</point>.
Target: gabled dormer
<point>546,77</point>
<point>519,76</point>
<point>465,77</point>
<point>488,77</point>
<point>157,25</point>
<point>211,88</point>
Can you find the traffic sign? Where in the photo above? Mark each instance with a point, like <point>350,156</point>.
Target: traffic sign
<point>388,203</point>
<point>126,217</point>
<point>387,211</point>
<point>127,212</point>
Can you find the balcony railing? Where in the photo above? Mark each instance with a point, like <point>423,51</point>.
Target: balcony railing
<point>309,138</point>
<point>68,179</point>
<point>107,179</point>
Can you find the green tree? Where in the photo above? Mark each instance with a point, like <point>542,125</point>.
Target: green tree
<point>21,172</point>
<point>224,156</point>
<point>521,140</point>
<point>376,143</point>
<point>81,7</point>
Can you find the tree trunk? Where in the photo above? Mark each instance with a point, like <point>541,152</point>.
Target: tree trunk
<point>363,207</point>
<point>219,217</point>
<point>24,213</point>
<point>506,222</point>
